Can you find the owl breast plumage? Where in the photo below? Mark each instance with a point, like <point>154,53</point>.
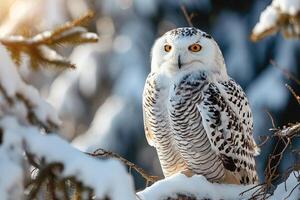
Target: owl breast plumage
<point>195,115</point>
<point>200,127</point>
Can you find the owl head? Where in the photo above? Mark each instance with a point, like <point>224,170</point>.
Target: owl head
<point>187,49</point>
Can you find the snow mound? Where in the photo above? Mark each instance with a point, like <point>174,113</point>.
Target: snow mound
<point>196,186</point>
<point>199,188</point>
<point>288,190</point>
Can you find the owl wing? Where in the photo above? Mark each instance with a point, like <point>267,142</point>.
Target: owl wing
<point>148,102</point>
<point>148,132</point>
<point>227,120</point>
<point>237,100</point>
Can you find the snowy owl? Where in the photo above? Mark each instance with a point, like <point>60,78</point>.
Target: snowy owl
<point>195,115</point>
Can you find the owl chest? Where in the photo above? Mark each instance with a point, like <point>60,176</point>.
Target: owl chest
<point>185,118</point>
<point>157,112</point>
<point>172,121</point>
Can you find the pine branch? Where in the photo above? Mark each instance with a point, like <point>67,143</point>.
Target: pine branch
<point>39,48</point>
<point>81,21</point>
<point>42,176</point>
<point>50,177</point>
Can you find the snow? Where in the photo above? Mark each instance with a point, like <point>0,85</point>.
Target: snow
<point>284,189</point>
<point>41,36</point>
<point>79,31</point>
<point>14,87</point>
<point>17,100</point>
<point>11,169</point>
<point>11,182</point>
<point>291,7</point>
<point>50,54</point>
<point>89,36</point>
<point>74,31</point>
<point>79,93</point>
<point>198,187</point>
<point>107,178</point>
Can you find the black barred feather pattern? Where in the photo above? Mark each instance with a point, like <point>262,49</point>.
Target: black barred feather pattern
<point>157,127</point>
<point>201,126</point>
<point>190,136</point>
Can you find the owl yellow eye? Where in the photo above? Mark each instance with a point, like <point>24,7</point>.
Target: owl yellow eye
<point>195,47</point>
<point>167,47</point>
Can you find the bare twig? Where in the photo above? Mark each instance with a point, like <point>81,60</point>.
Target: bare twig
<point>108,154</point>
<point>285,72</point>
<point>264,139</point>
<point>293,93</point>
<point>272,119</point>
<point>186,15</point>
<point>292,191</point>
<point>284,137</point>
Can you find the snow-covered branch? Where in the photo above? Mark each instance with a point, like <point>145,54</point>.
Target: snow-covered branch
<point>281,15</point>
<point>22,100</point>
<point>105,181</point>
<point>60,170</point>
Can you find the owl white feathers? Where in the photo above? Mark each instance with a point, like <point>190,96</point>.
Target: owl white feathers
<point>195,115</point>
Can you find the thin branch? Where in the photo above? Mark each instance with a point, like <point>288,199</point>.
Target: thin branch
<point>108,154</point>
<point>284,136</point>
<point>293,93</point>
<point>186,15</point>
<point>272,119</point>
<point>285,72</point>
<point>292,191</point>
<point>264,139</point>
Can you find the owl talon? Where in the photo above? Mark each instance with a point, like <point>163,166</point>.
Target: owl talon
<point>187,173</point>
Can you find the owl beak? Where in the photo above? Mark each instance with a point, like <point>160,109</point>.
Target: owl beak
<point>179,62</point>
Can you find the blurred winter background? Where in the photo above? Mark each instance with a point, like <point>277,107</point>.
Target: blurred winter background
<point>100,101</point>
